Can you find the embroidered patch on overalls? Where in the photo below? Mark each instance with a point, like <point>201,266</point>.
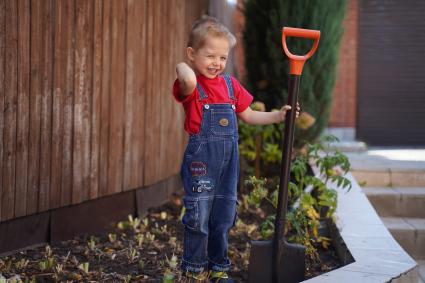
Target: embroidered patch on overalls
<point>202,185</point>
<point>198,168</point>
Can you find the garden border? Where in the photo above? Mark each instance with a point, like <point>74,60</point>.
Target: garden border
<point>378,257</point>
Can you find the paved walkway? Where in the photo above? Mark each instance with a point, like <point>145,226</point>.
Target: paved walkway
<point>386,158</point>
<point>408,164</point>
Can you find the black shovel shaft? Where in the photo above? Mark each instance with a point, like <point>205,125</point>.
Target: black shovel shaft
<point>288,140</point>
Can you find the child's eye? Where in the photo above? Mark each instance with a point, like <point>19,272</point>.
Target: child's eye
<point>210,56</point>
<point>223,58</point>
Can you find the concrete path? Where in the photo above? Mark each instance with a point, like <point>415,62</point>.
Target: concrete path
<point>394,182</point>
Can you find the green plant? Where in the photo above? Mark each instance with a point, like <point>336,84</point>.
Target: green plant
<point>266,65</point>
<point>310,197</point>
<point>84,267</point>
<point>171,270</point>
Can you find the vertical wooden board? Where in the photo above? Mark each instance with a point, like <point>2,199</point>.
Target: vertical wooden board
<point>153,109</point>
<point>46,106</point>
<point>131,42</point>
<point>67,103</point>
<point>59,75</point>
<point>135,94</point>
<point>23,107</point>
<point>10,92</point>
<point>82,101</point>
<point>35,106</point>
<point>96,100</point>
<point>2,71</point>
<point>181,36</point>
<point>105,97</point>
<point>177,110</point>
<point>167,144</point>
<point>116,134</point>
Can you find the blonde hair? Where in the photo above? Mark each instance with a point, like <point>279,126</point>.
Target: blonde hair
<point>208,26</point>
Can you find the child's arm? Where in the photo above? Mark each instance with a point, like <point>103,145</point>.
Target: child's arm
<point>187,79</point>
<point>252,117</point>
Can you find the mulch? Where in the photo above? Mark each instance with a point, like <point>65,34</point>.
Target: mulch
<point>144,252</point>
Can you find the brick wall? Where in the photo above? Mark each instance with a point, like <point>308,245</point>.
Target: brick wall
<point>344,97</point>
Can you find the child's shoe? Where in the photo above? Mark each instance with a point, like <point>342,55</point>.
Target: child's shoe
<point>220,277</point>
<point>193,277</point>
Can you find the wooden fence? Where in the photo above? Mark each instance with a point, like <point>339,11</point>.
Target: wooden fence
<point>85,105</point>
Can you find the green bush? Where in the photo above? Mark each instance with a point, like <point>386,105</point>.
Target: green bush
<point>266,65</point>
<point>311,198</point>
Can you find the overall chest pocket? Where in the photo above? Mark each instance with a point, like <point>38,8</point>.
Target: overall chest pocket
<point>223,122</point>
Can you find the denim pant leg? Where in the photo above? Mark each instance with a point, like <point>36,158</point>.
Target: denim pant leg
<point>222,218</point>
<point>196,233</point>
<point>223,212</point>
<point>199,175</point>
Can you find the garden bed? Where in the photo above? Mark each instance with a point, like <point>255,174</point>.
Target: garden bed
<point>142,250</point>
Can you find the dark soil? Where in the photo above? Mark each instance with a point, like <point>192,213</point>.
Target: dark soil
<point>118,257</point>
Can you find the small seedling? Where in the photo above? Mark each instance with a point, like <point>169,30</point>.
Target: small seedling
<point>84,267</point>
<point>21,264</point>
<point>112,238</point>
<point>132,254</point>
<point>139,239</point>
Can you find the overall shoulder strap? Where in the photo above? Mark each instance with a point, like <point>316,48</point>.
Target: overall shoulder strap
<point>202,93</point>
<point>229,86</point>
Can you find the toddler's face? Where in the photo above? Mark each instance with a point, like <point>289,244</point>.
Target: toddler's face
<point>210,60</point>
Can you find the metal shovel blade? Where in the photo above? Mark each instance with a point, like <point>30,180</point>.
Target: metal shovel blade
<point>292,263</point>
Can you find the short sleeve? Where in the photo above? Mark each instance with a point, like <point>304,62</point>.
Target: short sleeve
<point>180,98</point>
<point>243,97</point>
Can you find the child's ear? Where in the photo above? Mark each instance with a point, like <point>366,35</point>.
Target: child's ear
<point>190,52</point>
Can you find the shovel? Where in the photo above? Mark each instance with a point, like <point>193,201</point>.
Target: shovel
<point>277,260</point>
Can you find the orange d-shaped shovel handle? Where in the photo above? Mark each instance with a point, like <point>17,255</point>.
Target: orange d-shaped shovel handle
<point>296,62</point>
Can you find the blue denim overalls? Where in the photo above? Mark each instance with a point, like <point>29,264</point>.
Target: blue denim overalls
<point>210,172</point>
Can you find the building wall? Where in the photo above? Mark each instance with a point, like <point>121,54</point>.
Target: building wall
<point>344,102</point>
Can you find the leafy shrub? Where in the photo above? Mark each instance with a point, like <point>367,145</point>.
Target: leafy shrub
<point>266,65</point>
<point>311,197</point>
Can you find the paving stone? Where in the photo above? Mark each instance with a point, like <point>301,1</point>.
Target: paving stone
<point>385,200</point>
<point>421,269</point>
<point>419,225</point>
<point>397,202</point>
<point>408,178</point>
<point>403,232</point>
<point>372,178</point>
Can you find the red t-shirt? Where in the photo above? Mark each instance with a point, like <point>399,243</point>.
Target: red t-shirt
<point>216,91</point>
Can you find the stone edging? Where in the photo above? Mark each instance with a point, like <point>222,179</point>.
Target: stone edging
<point>378,257</point>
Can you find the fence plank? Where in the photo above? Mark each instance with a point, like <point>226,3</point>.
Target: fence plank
<point>35,107</point>
<point>2,88</point>
<point>23,108</point>
<point>10,92</point>
<point>153,107</point>
<point>178,55</point>
<point>116,134</point>
<point>166,148</point>
<point>96,100</point>
<point>82,101</point>
<point>46,107</point>
<point>57,102</point>
<point>67,106</point>
<point>104,99</point>
<point>135,94</point>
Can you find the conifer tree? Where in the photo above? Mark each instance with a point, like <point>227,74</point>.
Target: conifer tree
<point>267,66</point>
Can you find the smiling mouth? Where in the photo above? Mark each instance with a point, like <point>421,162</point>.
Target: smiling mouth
<point>212,71</point>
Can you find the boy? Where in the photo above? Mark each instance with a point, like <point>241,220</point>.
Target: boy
<point>210,165</point>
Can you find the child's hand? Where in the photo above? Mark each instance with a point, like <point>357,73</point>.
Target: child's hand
<point>285,108</point>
